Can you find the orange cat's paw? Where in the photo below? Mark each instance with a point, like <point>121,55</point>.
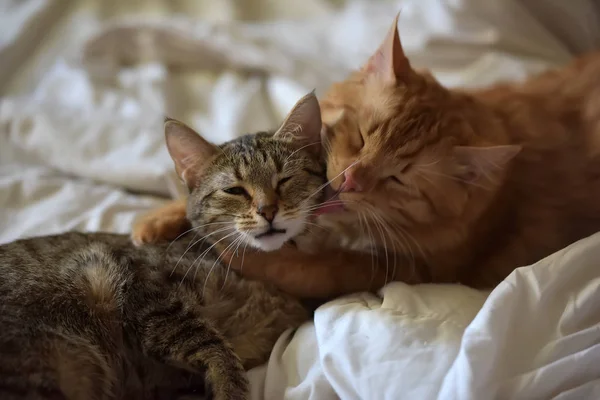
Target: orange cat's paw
<point>157,228</point>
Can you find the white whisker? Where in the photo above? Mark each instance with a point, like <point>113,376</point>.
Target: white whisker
<point>240,240</point>
<point>454,178</point>
<point>201,256</point>
<point>372,250</point>
<point>383,239</point>
<point>297,150</point>
<point>233,242</point>
<point>243,256</point>
<point>332,179</point>
<point>193,243</point>
<point>194,229</point>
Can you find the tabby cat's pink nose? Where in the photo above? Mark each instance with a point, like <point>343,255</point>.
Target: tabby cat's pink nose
<point>268,212</point>
<point>350,183</point>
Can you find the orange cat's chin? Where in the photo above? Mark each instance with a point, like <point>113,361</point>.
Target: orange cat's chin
<point>351,200</point>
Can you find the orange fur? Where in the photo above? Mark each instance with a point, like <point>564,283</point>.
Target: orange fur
<point>457,186</point>
<point>471,229</point>
<point>164,223</point>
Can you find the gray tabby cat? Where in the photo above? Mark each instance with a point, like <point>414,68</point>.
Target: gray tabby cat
<point>91,316</point>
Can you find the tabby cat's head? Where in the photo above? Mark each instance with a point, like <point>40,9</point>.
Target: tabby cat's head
<point>258,189</point>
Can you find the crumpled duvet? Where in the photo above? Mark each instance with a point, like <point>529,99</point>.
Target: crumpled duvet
<point>85,88</point>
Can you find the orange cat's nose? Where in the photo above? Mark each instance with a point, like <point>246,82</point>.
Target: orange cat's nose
<point>350,183</point>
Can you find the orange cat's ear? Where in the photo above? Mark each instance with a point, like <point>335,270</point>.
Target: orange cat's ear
<point>332,116</point>
<point>389,61</point>
<point>476,162</point>
<point>188,149</point>
<point>303,123</point>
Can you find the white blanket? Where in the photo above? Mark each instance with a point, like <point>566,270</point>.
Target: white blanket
<point>536,337</point>
<point>81,147</point>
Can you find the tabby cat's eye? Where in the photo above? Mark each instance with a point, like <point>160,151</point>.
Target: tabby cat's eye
<point>282,181</point>
<point>236,190</point>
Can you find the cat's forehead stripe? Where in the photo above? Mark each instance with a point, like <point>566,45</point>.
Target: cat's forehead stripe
<point>255,157</point>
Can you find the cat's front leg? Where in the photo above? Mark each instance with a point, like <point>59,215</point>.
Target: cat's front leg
<point>327,274</point>
<point>306,244</point>
<point>161,224</point>
<point>177,335</point>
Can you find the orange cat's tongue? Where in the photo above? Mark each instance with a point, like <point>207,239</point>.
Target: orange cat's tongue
<point>328,209</point>
<point>331,204</point>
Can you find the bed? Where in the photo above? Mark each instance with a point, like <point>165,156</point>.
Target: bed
<point>85,85</point>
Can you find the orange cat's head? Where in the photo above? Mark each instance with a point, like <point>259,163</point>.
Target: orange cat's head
<point>404,146</point>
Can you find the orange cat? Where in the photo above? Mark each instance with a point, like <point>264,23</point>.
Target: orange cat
<point>457,186</point>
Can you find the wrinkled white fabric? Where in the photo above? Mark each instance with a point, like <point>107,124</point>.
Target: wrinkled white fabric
<point>81,147</point>
<point>537,336</point>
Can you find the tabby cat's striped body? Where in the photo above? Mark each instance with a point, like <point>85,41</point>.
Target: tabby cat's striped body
<point>92,316</point>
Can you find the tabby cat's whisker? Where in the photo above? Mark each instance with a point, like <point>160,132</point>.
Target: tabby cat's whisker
<point>174,240</point>
<point>243,256</point>
<point>201,256</point>
<point>297,150</point>
<point>222,215</point>
<point>206,252</point>
<point>240,240</point>
<point>230,245</point>
<point>194,229</point>
<point>194,243</point>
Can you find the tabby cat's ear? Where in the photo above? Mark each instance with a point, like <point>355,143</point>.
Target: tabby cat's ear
<point>477,162</point>
<point>190,151</point>
<point>389,62</point>
<point>303,123</point>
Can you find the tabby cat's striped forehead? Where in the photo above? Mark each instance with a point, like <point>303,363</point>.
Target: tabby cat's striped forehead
<point>258,156</point>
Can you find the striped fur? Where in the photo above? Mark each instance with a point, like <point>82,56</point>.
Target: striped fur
<point>93,317</point>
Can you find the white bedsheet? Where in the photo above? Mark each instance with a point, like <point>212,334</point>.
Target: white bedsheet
<point>81,147</point>
<point>536,337</point>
